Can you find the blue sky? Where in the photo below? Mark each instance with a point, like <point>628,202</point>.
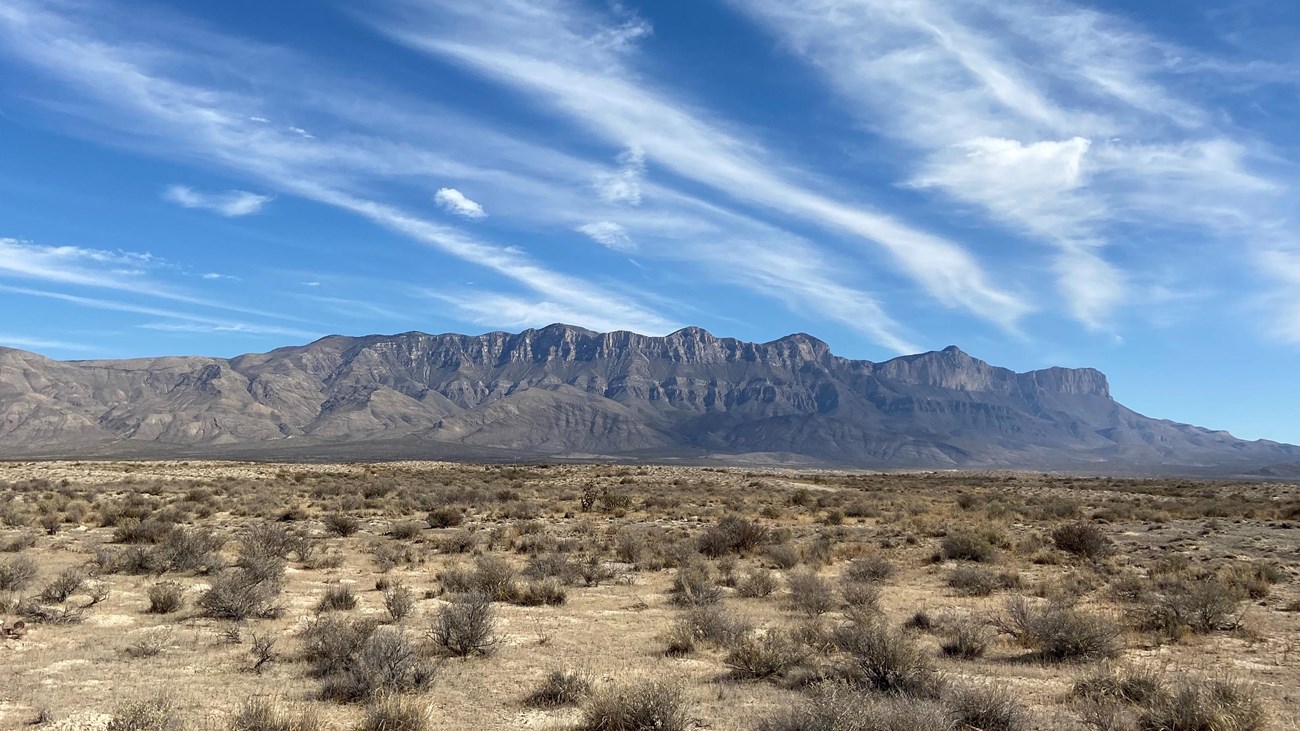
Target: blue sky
<point>1041,183</point>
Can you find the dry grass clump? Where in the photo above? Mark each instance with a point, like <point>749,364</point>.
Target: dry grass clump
<point>396,713</point>
<point>265,714</point>
<point>337,598</point>
<point>166,597</point>
<point>969,544</point>
<point>560,688</point>
<point>987,707</point>
<point>772,653</point>
<point>645,705</point>
<point>873,568</point>
<point>153,714</point>
<point>1134,698</point>
<point>341,524</point>
<point>836,707</point>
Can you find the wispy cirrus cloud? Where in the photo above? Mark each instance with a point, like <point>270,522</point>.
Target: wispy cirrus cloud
<point>129,93</point>
<point>609,234</point>
<point>577,63</point>
<point>1065,124</point>
<point>624,184</point>
<point>454,201</point>
<point>230,203</point>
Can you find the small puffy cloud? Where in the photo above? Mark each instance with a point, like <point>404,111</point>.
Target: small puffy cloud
<point>454,201</point>
<point>610,234</point>
<point>624,185</point>
<point>215,276</point>
<point>231,203</point>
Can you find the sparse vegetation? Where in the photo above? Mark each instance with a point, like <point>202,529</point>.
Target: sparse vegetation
<point>306,597</point>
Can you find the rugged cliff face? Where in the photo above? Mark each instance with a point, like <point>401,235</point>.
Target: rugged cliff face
<point>565,391</point>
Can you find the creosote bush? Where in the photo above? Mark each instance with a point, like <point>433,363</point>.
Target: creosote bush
<point>1059,633</point>
<point>466,626</point>
<point>884,660</point>
<point>1082,539</point>
<point>17,573</point>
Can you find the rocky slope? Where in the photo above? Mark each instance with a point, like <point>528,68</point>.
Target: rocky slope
<point>562,391</point>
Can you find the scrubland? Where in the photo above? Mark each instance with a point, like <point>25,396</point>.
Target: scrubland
<point>408,596</point>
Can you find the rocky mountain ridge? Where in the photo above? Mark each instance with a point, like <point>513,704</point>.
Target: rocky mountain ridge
<point>565,392</point>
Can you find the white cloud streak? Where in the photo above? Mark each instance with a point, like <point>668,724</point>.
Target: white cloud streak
<point>610,235</point>
<point>1060,122</point>
<point>454,201</point>
<point>231,203</point>
<point>130,93</point>
<point>557,54</point>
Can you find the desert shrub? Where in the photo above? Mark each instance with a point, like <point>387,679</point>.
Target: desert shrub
<point>1058,633</point>
<point>399,601</point>
<point>392,712</point>
<point>445,516</point>
<point>456,541</point>
<point>884,660</point>
<point>244,592</point>
<point>560,688</point>
<point>17,573</point>
<point>264,714</point>
<point>1082,539</point>
<point>1130,589</point>
<point>967,545</point>
<point>987,708</point>
<point>466,626</point>
<point>708,625</point>
<point>1204,705</point>
<point>457,580</point>
<point>762,656</point>
<point>153,714</point>
<point>860,596</point>
<point>406,530</point>
<point>920,621</point>
<point>783,555</point>
<point>494,577</point>
<point>329,643</point>
<point>190,549</point>
<point>540,592</point>
<point>971,580</point>
<point>965,637</point>
<point>20,542</point>
<point>757,582</point>
<point>553,565</point>
<point>166,597</point>
<point>386,662</point>
<point>1199,604</point>
<point>63,586</point>
<point>646,705</point>
<point>872,568</point>
<point>146,531</point>
<point>733,534</point>
<point>810,593</point>
<point>835,707</point>
<point>341,524</point>
<point>337,598</point>
<point>693,584</point>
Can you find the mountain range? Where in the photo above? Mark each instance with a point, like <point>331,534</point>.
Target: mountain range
<point>562,392</point>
